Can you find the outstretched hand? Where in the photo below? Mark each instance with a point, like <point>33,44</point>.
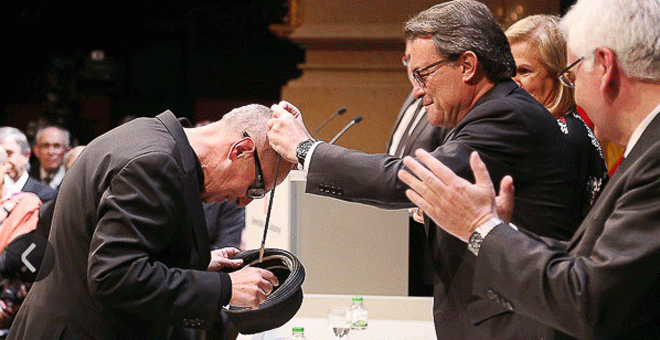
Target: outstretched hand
<point>456,205</point>
<point>286,130</point>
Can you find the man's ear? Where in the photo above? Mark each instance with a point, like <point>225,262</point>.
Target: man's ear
<point>241,148</point>
<point>469,63</point>
<point>611,72</point>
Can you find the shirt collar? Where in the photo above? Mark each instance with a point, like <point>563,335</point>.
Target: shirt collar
<point>640,129</point>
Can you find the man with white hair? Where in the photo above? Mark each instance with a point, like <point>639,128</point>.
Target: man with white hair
<point>52,142</point>
<point>18,179</point>
<point>603,283</point>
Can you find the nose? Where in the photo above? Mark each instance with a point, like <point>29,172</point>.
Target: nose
<point>418,90</point>
<point>517,80</point>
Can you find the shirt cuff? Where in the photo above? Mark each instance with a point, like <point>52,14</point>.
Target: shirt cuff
<point>308,158</point>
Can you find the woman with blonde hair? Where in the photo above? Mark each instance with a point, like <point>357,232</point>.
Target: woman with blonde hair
<point>539,49</point>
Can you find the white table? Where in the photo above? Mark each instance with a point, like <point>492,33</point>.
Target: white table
<point>391,318</point>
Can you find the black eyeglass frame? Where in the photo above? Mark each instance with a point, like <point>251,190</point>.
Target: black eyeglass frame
<point>563,74</point>
<point>417,73</point>
<point>258,188</point>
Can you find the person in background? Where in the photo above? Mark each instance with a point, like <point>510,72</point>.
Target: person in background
<point>462,66</point>
<point>410,132</point>
<point>539,49</point>
<point>603,283</point>
<point>51,143</point>
<point>131,256</point>
<point>17,178</point>
<point>71,156</point>
<point>18,215</point>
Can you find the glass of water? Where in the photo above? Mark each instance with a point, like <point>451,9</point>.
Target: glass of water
<point>340,321</point>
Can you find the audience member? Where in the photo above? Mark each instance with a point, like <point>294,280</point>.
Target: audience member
<point>132,257</point>
<point>539,49</point>
<point>462,66</point>
<point>51,143</point>
<point>18,215</point>
<point>17,179</point>
<point>603,283</point>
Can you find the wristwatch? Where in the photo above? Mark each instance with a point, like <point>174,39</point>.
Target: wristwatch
<point>477,237</point>
<point>302,149</point>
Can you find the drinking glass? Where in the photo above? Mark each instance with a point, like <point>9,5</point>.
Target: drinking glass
<point>340,321</point>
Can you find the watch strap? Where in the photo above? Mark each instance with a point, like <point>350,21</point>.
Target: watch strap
<point>478,235</point>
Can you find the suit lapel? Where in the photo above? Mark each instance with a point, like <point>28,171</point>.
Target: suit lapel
<point>192,184</point>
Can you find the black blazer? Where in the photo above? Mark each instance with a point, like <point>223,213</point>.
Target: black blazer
<point>43,191</point>
<point>130,243</point>
<point>603,284</point>
<point>514,135</point>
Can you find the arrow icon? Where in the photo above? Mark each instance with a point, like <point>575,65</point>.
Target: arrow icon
<point>24,257</point>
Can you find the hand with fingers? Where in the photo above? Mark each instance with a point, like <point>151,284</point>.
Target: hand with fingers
<point>250,286</point>
<point>456,205</point>
<point>220,258</point>
<point>286,130</point>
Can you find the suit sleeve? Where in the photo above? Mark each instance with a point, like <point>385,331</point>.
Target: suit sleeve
<point>503,136</point>
<point>605,286</point>
<point>140,212</point>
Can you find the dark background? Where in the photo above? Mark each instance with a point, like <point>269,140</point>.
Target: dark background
<point>198,61</point>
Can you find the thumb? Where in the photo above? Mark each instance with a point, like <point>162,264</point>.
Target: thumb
<point>505,198</point>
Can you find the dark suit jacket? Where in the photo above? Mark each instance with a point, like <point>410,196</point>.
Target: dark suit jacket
<point>514,135</point>
<point>604,283</point>
<point>424,135</point>
<point>130,243</point>
<point>42,190</point>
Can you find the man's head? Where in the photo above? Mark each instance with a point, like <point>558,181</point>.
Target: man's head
<point>52,142</point>
<point>17,148</point>
<point>457,51</point>
<point>228,150</point>
<point>615,47</point>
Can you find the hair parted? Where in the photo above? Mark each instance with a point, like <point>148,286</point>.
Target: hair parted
<point>459,26</point>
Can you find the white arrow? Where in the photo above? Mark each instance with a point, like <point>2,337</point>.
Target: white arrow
<point>24,257</point>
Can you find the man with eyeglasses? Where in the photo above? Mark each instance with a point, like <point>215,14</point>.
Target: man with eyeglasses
<point>603,283</point>
<point>51,143</point>
<point>462,66</point>
<point>130,250</point>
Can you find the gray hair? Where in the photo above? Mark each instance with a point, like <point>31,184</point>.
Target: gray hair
<point>465,25</point>
<point>251,118</point>
<point>18,136</point>
<point>65,132</point>
<point>628,27</point>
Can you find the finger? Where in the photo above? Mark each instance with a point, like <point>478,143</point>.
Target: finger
<point>505,199</point>
<point>270,277</point>
<point>479,170</point>
<point>427,182</point>
<point>441,171</point>
<point>230,251</point>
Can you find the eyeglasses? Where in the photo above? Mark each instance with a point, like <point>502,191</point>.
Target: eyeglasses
<point>421,78</point>
<point>258,188</point>
<point>567,77</point>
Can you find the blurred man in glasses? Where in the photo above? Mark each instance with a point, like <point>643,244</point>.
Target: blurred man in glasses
<point>51,143</point>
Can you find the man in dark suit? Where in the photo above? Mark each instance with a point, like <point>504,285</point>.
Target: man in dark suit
<point>462,68</point>
<point>131,252</point>
<point>18,150</point>
<point>603,283</point>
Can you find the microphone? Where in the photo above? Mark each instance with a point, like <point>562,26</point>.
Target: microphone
<point>355,120</point>
<point>341,111</point>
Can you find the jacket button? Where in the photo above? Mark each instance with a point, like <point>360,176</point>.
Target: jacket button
<point>491,294</point>
<point>508,306</point>
<point>185,322</point>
